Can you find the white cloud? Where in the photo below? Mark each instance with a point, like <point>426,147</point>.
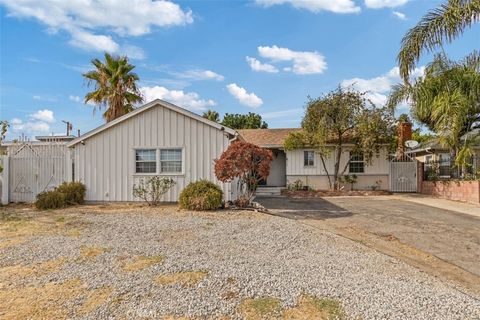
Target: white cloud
<point>337,6</point>
<point>37,123</point>
<point>289,113</point>
<point>189,100</point>
<point>399,15</point>
<point>378,88</point>
<point>198,74</point>
<point>74,98</point>
<point>303,62</point>
<point>377,4</point>
<point>83,20</point>
<point>245,98</point>
<point>29,127</point>
<point>258,66</point>
<point>47,98</point>
<point>43,115</point>
<point>132,52</point>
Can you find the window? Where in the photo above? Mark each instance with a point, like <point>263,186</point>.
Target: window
<point>145,161</point>
<point>444,164</point>
<point>357,165</point>
<point>308,158</point>
<point>170,160</point>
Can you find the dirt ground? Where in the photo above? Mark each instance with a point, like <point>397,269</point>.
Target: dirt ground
<point>441,242</point>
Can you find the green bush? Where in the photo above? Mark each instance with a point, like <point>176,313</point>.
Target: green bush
<point>74,192</point>
<point>201,195</point>
<point>51,200</point>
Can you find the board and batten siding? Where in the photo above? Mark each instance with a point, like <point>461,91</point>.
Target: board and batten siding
<point>105,163</point>
<point>295,164</point>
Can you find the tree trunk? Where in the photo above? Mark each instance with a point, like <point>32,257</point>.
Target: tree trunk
<point>338,154</point>
<point>326,171</point>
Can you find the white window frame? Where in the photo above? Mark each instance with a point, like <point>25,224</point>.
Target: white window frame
<point>137,161</point>
<point>182,159</point>
<point>305,154</point>
<point>351,154</point>
<point>157,161</point>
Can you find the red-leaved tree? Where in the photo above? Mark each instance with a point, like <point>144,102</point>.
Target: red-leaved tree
<point>246,162</point>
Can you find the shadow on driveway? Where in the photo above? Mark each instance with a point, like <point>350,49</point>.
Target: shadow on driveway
<point>299,209</point>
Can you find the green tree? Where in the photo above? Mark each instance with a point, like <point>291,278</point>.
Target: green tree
<point>343,116</point>
<point>446,99</point>
<point>115,86</point>
<point>244,121</point>
<point>438,26</point>
<point>211,115</point>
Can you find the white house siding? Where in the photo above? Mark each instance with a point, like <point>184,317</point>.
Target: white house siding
<point>106,162</point>
<point>315,176</point>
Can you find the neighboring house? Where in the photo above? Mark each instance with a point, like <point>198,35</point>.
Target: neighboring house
<point>306,165</point>
<point>433,153</point>
<point>158,138</point>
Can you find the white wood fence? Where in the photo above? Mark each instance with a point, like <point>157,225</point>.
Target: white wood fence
<point>34,167</point>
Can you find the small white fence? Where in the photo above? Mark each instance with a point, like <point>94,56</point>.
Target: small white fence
<point>34,167</point>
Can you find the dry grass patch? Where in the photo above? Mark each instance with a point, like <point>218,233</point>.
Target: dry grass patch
<point>33,270</point>
<point>141,262</point>
<point>95,298</point>
<point>91,252</point>
<point>12,242</point>
<point>44,302</point>
<point>260,308</point>
<point>185,279</point>
<point>310,307</point>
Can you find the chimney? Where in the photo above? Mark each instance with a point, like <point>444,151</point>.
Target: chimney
<point>404,134</point>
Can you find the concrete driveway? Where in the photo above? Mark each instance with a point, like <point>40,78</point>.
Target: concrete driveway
<point>443,242</point>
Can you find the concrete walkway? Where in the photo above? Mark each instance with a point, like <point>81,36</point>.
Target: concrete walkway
<point>451,205</point>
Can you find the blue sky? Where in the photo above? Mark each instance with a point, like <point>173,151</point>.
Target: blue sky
<point>264,56</point>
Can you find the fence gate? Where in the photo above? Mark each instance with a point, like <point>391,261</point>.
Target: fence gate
<point>403,174</point>
<point>34,168</point>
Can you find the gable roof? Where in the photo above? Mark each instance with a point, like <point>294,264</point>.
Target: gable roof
<point>267,137</point>
<point>154,103</point>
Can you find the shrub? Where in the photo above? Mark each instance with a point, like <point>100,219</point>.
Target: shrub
<point>201,195</point>
<point>51,200</point>
<point>74,192</point>
<point>152,189</point>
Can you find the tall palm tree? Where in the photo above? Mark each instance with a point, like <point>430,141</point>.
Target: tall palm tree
<point>211,115</point>
<point>115,86</point>
<point>446,98</point>
<point>440,25</point>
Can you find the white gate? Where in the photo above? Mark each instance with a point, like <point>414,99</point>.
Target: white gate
<point>36,167</point>
<point>403,174</point>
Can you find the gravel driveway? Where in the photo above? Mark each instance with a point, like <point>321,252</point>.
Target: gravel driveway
<point>131,263</point>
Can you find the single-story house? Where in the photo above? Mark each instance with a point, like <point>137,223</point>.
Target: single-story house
<point>305,164</point>
<point>433,153</point>
<point>158,138</point>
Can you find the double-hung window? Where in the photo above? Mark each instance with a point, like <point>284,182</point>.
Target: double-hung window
<point>170,160</point>
<point>146,161</point>
<point>357,164</point>
<point>308,158</point>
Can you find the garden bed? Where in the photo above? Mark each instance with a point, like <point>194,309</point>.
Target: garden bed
<point>332,193</point>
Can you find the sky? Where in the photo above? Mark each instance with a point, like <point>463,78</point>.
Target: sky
<point>263,56</point>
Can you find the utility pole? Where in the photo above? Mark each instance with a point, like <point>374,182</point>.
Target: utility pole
<point>69,126</point>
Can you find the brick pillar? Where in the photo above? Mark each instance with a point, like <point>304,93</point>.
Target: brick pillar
<point>404,134</point>
<point>420,177</point>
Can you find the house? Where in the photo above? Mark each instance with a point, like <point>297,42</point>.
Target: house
<point>305,164</point>
<point>158,138</point>
<point>434,154</point>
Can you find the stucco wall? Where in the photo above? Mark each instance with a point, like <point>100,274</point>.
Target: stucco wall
<point>106,162</point>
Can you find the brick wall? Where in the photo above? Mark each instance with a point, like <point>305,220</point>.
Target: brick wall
<point>465,191</point>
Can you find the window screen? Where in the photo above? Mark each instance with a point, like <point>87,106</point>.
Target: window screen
<point>145,161</point>
<point>170,160</point>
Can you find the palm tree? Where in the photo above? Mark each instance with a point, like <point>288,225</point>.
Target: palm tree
<point>115,86</point>
<point>446,98</point>
<point>211,115</point>
<point>440,25</point>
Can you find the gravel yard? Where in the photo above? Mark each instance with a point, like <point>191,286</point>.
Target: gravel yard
<point>133,262</point>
